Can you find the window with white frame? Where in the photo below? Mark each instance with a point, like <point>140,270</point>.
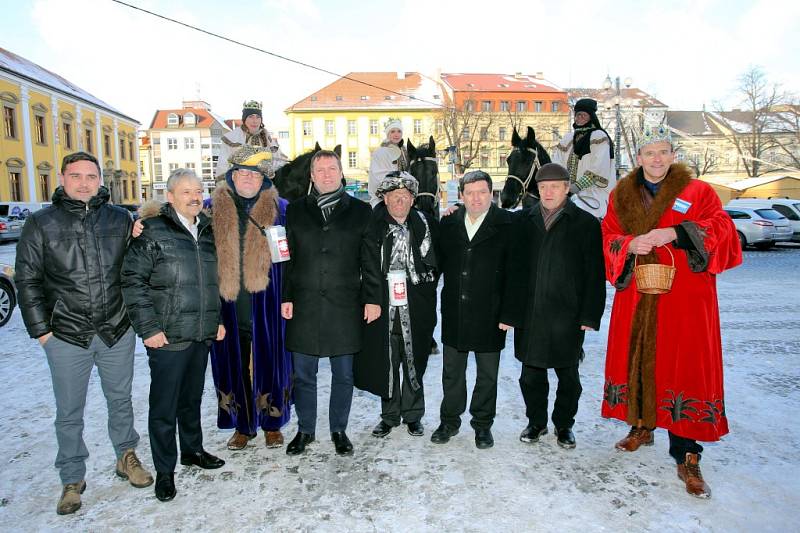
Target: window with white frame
<point>522,107</point>
<point>505,105</point>
<point>188,143</point>
<point>352,159</point>
<point>173,166</point>
<point>189,119</point>
<point>307,131</point>
<point>486,105</point>
<point>329,128</point>
<point>172,143</point>
<point>554,107</point>
<point>373,127</point>
<point>501,134</point>
<point>537,107</point>
<point>172,119</point>
<point>351,127</point>
<point>417,126</point>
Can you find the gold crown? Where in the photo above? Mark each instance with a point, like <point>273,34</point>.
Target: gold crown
<point>252,104</point>
<point>655,134</point>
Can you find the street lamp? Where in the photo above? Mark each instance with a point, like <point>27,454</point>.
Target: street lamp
<point>607,84</point>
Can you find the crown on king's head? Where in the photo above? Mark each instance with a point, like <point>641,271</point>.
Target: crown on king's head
<point>655,134</point>
<point>252,104</point>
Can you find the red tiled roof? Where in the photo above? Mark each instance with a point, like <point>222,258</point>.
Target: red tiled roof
<point>500,83</point>
<point>203,118</point>
<point>416,92</point>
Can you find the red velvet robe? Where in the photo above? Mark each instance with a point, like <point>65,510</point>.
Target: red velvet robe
<point>688,361</point>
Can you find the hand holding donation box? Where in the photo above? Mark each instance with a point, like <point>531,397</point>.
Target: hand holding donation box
<point>278,244</point>
<point>397,288</point>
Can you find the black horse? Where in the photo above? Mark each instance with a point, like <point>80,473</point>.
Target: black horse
<point>293,178</point>
<point>423,165</point>
<point>525,159</point>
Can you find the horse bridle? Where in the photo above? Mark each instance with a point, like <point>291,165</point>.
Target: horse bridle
<point>434,195</point>
<point>527,180</point>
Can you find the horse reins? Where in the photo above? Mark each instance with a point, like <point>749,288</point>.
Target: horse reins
<point>527,180</point>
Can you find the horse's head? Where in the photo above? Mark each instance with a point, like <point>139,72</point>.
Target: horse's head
<point>294,178</point>
<point>424,166</point>
<point>526,156</point>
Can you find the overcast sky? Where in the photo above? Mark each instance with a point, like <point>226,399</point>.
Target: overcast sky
<point>686,52</point>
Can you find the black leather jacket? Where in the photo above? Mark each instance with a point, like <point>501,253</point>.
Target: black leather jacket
<point>68,270</point>
<point>169,281</point>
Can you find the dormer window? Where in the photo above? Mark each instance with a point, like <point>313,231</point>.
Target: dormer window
<point>172,119</point>
<point>189,119</point>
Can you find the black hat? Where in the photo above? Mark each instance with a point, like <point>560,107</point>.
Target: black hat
<point>552,172</point>
<point>586,105</point>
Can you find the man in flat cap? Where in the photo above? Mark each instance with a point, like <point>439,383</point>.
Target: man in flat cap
<point>587,153</point>
<point>252,368</point>
<point>401,336</point>
<point>562,258</point>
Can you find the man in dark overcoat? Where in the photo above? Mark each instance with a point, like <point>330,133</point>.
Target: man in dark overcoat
<point>477,305</point>
<point>331,285</point>
<point>561,252</point>
<point>400,338</point>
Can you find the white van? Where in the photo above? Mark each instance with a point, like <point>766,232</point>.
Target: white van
<point>787,207</point>
<point>20,209</point>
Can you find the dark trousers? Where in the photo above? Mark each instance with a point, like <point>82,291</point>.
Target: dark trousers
<point>305,391</point>
<point>483,405</point>
<point>535,389</point>
<point>176,389</point>
<point>405,403</point>
<point>244,423</point>
<point>680,446</point>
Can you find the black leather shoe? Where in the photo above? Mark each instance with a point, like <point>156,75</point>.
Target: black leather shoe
<point>483,438</point>
<point>566,439</point>
<point>532,433</point>
<point>203,459</point>
<point>443,433</point>
<point>382,429</point>
<point>415,429</point>
<point>299,443</point>
<point>342,443</point>
<point>165,486</point>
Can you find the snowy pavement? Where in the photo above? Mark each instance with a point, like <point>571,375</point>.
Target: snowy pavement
<point>403,483</point>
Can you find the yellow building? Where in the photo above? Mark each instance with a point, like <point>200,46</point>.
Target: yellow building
<point>353,115</point>
<point>46,117</point>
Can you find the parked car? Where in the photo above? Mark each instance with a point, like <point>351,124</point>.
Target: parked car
<point>788,207</point>
<point>10,228</point>
<point>761,228</point>
<point>20,210</point>
<point>8,293</point>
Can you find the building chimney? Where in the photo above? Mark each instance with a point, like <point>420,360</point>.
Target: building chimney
<point>540,75</point>
<point>401,75</point>
<point>518,75</point>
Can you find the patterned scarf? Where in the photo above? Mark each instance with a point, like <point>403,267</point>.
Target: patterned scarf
<point>551,215</point>
<point>327,202</point>
<point>402,255</point>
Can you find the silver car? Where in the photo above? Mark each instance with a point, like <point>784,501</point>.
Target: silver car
<point>759,227</point>
<point>10,228</point>
<point>8,293</point>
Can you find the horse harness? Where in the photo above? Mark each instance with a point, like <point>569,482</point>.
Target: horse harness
<point>434,195</point>
<point>534,167</point>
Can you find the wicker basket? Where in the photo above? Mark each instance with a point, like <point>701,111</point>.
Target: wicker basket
<point>654,278</point>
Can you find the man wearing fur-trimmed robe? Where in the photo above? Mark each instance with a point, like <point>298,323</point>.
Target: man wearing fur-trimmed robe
<point>252,369</point>
<point>587,153</point>
<point>664,359</point>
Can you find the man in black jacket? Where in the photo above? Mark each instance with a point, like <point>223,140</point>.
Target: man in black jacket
<point>68,276</point>
<point>170,286</point>
<point>477,300</point>
<point>562,258</point>
<point>330,286</point>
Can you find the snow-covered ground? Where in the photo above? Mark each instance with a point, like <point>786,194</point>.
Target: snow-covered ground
<point>403,483</point>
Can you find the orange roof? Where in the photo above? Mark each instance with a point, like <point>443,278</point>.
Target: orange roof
<point>416,92</point>
<point>203,119</point>
<point>516,83</point>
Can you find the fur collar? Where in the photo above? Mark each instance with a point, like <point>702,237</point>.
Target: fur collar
<point>254,267</point>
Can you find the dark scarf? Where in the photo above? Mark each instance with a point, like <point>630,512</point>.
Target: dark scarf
<point>327,202</point>
<point>551,215</point>
<point>582,138</point>
<point>639,212</point>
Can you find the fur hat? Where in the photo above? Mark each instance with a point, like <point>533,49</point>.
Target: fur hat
<point>250,107</point>
<point>250,157</point>
<point>552,172</point>
<point>393,124</point>
<point>397,180</point>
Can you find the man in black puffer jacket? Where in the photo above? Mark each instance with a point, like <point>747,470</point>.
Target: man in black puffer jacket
<point>172,293</point>
<point>68,276</point>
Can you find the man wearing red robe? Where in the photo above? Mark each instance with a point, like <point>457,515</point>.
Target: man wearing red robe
<point>664,359</point>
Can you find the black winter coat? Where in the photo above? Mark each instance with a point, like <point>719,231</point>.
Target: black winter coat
<point>68,270</point>
<point>333,272</point>
<point>566,287</point>
<point>169,281</point>
<point>372,366</point>
<point>478,292</point>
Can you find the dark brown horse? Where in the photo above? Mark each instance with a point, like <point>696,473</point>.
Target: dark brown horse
<point>293,178</point>
<point>423,165</point>
<point>523,162</point>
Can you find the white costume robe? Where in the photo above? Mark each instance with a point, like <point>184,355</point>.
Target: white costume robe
<point>597,166</point>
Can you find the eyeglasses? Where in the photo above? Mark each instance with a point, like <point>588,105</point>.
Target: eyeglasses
<point>244,173</point>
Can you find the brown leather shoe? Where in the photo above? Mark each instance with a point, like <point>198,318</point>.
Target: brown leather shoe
<point>274,439</point>
<point>689,473</point>
<point>239,440</point>
<point>636,437</point>
<point>129,467</point>
<point>70,500</point>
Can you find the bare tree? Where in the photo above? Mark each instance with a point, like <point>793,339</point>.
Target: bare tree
<point>752,129</point>
<point>702,163</point>
<point>467,129</point>
<point>788,123</point>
